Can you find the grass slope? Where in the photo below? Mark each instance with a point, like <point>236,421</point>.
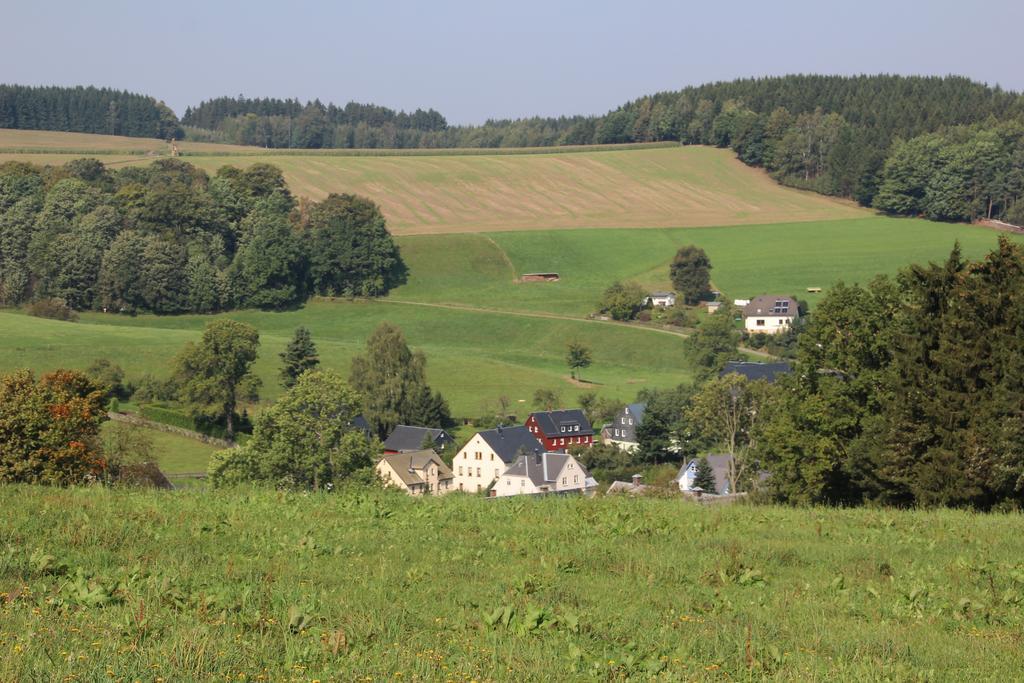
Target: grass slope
<point>369,586</point>
<point>473,357</point>
<point>784,258</point>
<point>630,188</point>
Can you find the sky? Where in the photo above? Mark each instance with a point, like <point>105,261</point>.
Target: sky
<point>477,60</point>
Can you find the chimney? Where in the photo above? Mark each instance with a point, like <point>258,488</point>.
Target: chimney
<point>501,431</point>
<point>636,480</point>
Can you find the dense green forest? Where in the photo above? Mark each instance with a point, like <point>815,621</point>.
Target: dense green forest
<point>86,110</point>
<point>167,238</point>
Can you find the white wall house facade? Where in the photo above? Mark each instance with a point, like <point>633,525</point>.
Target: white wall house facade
<point>416,472</point>
<point>542,473</point>
<point>489,453</point>
<point>661,299</point>
<point>770,314</point>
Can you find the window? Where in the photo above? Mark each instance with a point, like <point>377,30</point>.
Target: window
<point>616,432</point>
<point>496,473</point>
<point>492,457</point>
<point>460,470</point>
<point>508,482</point>
<point>623,420</point>
<point>759,323</point>
<point>630,421</point>
<point>575,479</point>
<point>478,472</point>
<point>522,482</point>
<point>564,482</point>
<point>563,430</point>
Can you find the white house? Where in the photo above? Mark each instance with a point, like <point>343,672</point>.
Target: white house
<point>661,299</point>
<point>720,467</point>
<point>547,472</point>
<point>770,314</point>
<point>489,453</point>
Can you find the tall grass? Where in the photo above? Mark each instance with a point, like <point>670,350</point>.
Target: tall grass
<point>259,585</point>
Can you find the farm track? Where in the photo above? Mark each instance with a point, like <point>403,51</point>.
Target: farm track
<point>551,316</point>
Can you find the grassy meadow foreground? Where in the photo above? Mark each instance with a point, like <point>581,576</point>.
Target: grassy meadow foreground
<point>121,585</point>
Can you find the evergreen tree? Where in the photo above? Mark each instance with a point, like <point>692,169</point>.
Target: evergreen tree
<point>704,477</point>
<point>299,356</point>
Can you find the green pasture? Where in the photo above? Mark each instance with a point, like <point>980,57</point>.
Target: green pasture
<point>783,258</point>
<point>125,585</point>
<point>473,357</point>
<point>175,454</point>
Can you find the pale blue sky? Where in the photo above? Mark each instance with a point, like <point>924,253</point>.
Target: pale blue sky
<point>475,60</point>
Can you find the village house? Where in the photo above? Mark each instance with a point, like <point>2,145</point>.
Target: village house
<point>489,453</point>
<point>621,432</point>
<point>416,472</point>
<point>560,429</point>
<point>539,473</point>
<point>770,314</point>
<point>769,372</point>
<point>405,438</point>
<point>633,488</point>
<point>661,299</point>
<point>720,468</point>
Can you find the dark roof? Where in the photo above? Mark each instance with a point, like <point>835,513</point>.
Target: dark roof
<point>407,438</point>
<point>359,422</point>
<point>784,306</point>
<point>752,371</point>
<point>408,466</point>
<point>550,422</point>
<point>637,410</point>
<point>541,468</point>
<point>509,442</point>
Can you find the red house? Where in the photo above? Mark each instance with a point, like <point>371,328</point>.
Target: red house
<point>560,429</point>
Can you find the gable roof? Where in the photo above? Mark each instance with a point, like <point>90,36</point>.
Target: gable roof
<point>540,468</point>
<point>510,442</point>
<point>752,371</point>
<point>637,410</point>
<point>408,466</point>
<point>783,306</point>
<point>719,466</point>
<point>660,295</point>
<point>408,438</point>
<point>551,421</point>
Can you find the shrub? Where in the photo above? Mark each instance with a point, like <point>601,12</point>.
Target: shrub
<point>644,316</point>
<point>678,316</point>
<point>53,308</point>
<point>149,389</point>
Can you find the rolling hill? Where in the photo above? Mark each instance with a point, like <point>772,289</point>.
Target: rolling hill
<point>629,188</point>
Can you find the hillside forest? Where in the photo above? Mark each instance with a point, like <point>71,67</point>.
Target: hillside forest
<point>947,148</point>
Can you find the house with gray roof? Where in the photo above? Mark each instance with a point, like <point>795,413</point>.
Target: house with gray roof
<point>543,473</point>
<point>561,429</point>
<point>416,472</point>
<point>721,466</point>
<point>621,431</point>
<point>405,438</point>
<point>489,453</point>
<point>661,299</point>
<point>770,314</point>
<point>752,371</point>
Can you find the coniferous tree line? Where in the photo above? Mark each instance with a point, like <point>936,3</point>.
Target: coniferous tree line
<point>87,110</point>
<point>168,238</point>
<point>907,391</point>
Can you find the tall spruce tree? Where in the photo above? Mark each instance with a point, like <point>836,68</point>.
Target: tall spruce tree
<point>704,477</point>
<point>299,356</point>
